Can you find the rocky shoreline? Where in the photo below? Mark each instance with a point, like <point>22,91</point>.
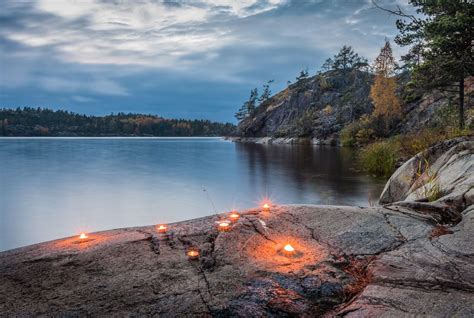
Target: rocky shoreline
<point>286,140</point>
<point>408,257</point>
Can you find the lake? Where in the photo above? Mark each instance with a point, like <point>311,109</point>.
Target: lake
<point>57,187</point>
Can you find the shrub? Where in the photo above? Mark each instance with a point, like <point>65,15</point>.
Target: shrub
<point>328,109</point>
<point>362,131</point>
<point>348,134</point>
<point>414,143</point>
<point>380,158</point>
<point>431,189</point>
<point>324,83</point>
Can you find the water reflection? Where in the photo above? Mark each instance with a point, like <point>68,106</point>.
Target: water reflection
<point>52,188</point>
<point>317,175</point>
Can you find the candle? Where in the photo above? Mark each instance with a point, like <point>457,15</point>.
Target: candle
<point>83,236</point>
<point>223,226</point>
<point>192,254</point>
<point>288,250</point>
<point>266,207</point>
<point>162,228</point>
<point>234,216</point>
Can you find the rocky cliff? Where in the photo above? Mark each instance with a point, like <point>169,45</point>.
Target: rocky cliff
<point>394,260</point>
<point>318,106</point>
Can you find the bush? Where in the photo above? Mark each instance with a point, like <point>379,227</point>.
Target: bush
<point>348,134</point>
<point>362,131</point>
<point>414,143</point>
<point>380,158</point>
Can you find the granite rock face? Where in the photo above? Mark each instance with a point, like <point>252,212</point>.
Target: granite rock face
<point>406,258</point>
<point>317,107</point>
<point>348,261</point>
<point>440,178</point>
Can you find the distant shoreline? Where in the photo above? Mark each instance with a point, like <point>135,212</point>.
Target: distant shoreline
<point>113,137</point>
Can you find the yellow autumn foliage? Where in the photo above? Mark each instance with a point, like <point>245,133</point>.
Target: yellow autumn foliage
<point>384,98</point>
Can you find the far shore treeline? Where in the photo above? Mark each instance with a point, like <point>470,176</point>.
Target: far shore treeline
<point>30,121</point>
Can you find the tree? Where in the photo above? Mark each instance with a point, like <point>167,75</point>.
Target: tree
<point>383,90</point>
<point>303,74</point>
<point>348,59</point>
<point>266,92</point>
<point>441,44</point>
<point>248,107</point>
<point>327,65</point>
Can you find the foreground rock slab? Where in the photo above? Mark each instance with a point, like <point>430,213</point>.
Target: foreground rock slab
<point>348,261</point>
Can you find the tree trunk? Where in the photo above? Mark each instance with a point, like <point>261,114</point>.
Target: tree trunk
<point>461,102</point>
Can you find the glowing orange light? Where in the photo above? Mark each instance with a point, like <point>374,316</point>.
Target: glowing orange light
<point>266,206</point>
<point>83,236</point>
<point>224,226</point>
<point>192,254</point>
<point>162,228</point>
<point>288,250</point>
<point>234,216</point>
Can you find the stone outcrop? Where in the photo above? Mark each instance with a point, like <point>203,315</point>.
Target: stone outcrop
<point>319,107</point>
<point>316,107</point>
<point>394,260</point>
<point>439,180</point>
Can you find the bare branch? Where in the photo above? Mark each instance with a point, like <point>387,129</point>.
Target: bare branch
<point>397,12</point>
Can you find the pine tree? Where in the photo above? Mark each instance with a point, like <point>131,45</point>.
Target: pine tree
<point>383,90</point>
<point>266,92</point>
<point>348,59</point>
<point>327,65</point>
<point>303,74</point>
<point>441,39</point>
<point>248,107</point>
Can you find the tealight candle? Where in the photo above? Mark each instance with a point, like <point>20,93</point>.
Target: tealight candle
<point>288,250</point>
<point>192,254</point>
<point>162,228</point>
<point>83,236</point>
<point>223,226</point>
<point>234,216</point>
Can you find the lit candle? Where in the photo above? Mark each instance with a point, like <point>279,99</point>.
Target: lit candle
<point>192,254</point>
<point>266,207</point>
<point>83,236</point>
<point>162,228</point>
<point>288,250</point>
<point>234,216</point>
<point>223,226</point>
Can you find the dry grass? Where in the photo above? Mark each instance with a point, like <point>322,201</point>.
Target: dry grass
<point>358,269</point>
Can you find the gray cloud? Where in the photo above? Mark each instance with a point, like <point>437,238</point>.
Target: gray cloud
<point>115,55</point>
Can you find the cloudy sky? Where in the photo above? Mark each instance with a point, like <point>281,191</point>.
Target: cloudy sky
<point>186,59</point>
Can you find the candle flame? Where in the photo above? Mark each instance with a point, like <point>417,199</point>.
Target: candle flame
<point>83,236</point>
<point>162,228</point>
<point>234,215</point>
<point>289,248</point>
<point>193,253</point>
<point>223,224</point>
<point>266,206</point>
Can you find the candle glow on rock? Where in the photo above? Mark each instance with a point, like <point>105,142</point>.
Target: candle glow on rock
<point>234,216</point>
<point>288,250</point>
<point>162,228</point>
<point>192,254</point>
<point>266,206</point>
<point>83,236</point>
<point>224,225</point>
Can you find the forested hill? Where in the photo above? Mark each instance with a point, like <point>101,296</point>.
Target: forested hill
<point>46,122</point>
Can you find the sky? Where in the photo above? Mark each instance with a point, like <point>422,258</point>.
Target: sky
<point>176,59</point>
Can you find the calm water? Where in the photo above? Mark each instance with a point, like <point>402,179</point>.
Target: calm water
<point>52,188</point>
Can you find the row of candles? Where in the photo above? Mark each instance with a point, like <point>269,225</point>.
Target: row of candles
<point>222,226</point>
